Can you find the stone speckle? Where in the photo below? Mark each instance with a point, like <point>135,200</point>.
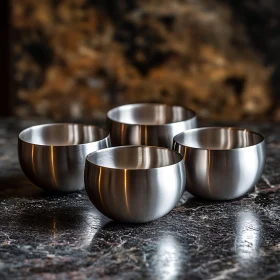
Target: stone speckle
<point>47,236</point>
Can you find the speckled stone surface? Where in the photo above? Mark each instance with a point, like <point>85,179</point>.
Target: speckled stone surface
<point>48,236</point>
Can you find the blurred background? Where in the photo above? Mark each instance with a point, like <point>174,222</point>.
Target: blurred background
<point>76,59</point>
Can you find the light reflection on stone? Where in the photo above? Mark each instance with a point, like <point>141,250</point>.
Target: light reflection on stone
<point>168,258</point>
<point>247,241</point>
<point>93,222</point>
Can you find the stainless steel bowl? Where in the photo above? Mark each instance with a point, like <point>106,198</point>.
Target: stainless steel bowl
<point>53,156</point>
<point>135,184</point>
<point>221,162</point>
<point>148,124</point>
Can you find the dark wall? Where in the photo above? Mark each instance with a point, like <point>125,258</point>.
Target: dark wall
<point>262,21</point>
<point>5,62</point>
<point>78,58</point>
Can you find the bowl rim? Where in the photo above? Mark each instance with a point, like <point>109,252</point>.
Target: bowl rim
<point>217,127</point>
<point>61,123</point>
<point>194,116</point>
<point>133,169</point>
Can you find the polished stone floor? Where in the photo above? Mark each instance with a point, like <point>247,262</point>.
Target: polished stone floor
<point>47,236</point>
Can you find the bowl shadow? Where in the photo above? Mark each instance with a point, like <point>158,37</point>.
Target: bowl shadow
<point>18,186</point>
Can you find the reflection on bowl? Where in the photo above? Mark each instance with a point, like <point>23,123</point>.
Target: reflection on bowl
<point>221,162</point>
<point>53,156</point>
<point>135,184</point>
<point>148,124</point>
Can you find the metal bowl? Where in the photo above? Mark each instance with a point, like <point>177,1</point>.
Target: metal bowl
<point>222,163</point>
<point>135,184</point>
<point>148,124</point>
<point>53,156</point>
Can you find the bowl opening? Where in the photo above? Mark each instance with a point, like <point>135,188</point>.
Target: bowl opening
<point>218,138</point>
<point>62,134</point>
<point>150,114</point>
<point>134,157</point>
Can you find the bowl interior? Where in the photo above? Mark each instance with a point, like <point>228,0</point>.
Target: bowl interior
<point>134,157</point>
<point>149,114</point>
<point>218,138</point>
<point>62,134</point>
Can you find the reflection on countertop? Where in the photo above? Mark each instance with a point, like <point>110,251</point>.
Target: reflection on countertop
<point>51,236</point>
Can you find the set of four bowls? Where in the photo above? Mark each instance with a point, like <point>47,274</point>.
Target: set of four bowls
<point>157,153</point>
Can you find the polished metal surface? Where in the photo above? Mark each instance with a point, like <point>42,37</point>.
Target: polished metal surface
<point>148,124</point>
<point>53,156</point>
<point>221,162</point>
<point>135,184</point>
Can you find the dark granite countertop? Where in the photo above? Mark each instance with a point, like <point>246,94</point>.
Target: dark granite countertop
<point>47,236</point>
